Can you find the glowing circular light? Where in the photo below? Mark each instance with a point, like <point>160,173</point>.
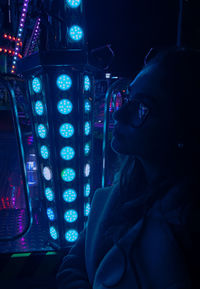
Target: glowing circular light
<point>73,3</point>
<point>87,190</point>
<point>67,153</point>
<point>87,106</point>
<point>71,216</point>
<point>86,83</point>
<point>49,194</point>
<point>87,128</point>
<point>53,233</point>
<point>68,175</point>
<point>47,173</point>
<point>87,149</point>
<point>36,85</point>
<point>69,195</point>
<point>42,131</point>
<point>87,209</point>
<point>39,109</point>
<point>76,33</point>
<point>71,235</point>
<point>64,82</point>
<point>64,106</point>
<point>44,152</point>
<point>87,170</point>
<point>66,130</point>
<point>50,214</point>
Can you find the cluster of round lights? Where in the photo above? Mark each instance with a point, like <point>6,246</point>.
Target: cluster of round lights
<point>86,83</point>
<point>87,209</point>
<point>64,82</point>
<point>64,106</point>
<point>87,127</point>
<point>36,85</point>
<point>47,173</point>
<point>67,153</point>
<point>73,3</point>
<point>69,195</point>
<point>66,130</point>
<point>87,106</point>
<point>68,175</point>
<point>53,233</point>
<point>76,33</point>
<point>50,214</point>
<point>49,194</point>
<point>87,149</point>
<point>39,109</point>
<point>44,152</point>
<point>87,190</point>
<point>71,235</point>
<point>71,216</point>
<point>42,131</point>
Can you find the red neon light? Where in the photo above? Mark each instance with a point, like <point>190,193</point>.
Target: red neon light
<point>2,200</point>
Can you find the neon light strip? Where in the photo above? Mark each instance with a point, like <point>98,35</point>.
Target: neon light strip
<point>19,35</point>
<point>34,37</point>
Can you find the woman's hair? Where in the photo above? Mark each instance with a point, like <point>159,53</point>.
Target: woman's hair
<point>136,196</point>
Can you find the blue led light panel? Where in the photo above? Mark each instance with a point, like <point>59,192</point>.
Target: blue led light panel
<point>86,83</point>
<point>71,235</point>
<point>64,106</point>
<point>44,152</point>
<point>73,3</point>
<point>87,190</point>
<point>87,106</point>
<point>87,209</point>
<point>71,216</point>
<point>39,109</point>
<point>42,131</point>
<point>36,85</point>
<point>66,130</point>
<point>69,195</point>
<point>68,175</point>
<point>50,214</point>
<point>67,153</point>
<point>76,33</point>
<point>64,82</point>
<point>87,149</point>
<point>49,194</point>
<point>87,128</point>
<point>53,233</point>
<point>47,173</point>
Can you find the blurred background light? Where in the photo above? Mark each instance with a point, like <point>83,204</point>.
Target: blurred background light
<point>69,195</point>
<point>76,33</point>
<point>64,106</point>
<point>67,153</point>
<point>73,3</point>
<point>66,130</point>
<point>68,175</point>
<point>64,82</point>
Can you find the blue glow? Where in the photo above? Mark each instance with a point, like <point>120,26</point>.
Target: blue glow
<point>87,170</point>
<point>36,85</point>
<point>49,194</point>
<point>50,214</point>
<point>87,128</point>
<point>69,195</point>
<point>39,109</point>
<point>71,235</point>
<point>76,33</point>
<point>42,131</point>
<point>87,106</point>
<point>64,82</point>
<point>68,175</point>
<point>66,130</point>
<point>71,216</point>
<point>47,173</point>
<point>87,149</point>
<point>44,152</point>
<point>67,153</point>
<point>64,106</point>
<point>87,190</point>
<point>53,233</point>
<point>87,209</point>
<point>73,3</point>
<point>86,83</point>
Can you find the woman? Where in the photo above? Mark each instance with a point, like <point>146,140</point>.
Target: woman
<point>144,232</point>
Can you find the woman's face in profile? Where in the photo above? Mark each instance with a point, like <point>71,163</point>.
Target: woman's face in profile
<point>145,127</point>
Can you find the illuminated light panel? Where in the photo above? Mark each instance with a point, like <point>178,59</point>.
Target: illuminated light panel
<point>87,190</point>
<point>71,216</point>
<point>42,131</point>
<point>87,209</point>
<point>50,214</point>
<point>66,130</point>
<point>87,170</point>
<point>87,149</point>
<point>47,173</point>
<point>71,235</point>
<point>44,152</point>
<point>87,83</point>
<point>68,175</point>
<point>36,85</point>
<point>76,33</point>
<point>69,196</point>
<point>53,233</point>
<point>39,109</point>
<point>64,106</point>
<point>67,153</point>
<point>87,106</point>
<point>64,82</point>
<point>49,194</point>
<point>73,3</point>
<point>87,128</point>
